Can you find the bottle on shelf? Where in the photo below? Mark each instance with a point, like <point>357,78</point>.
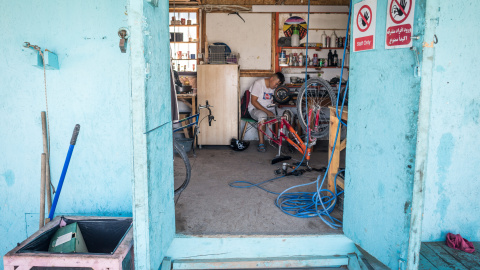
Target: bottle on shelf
<point>333,38</point>
<point>324,39</point>
<point>335,58</point>
<point>295,39</point>
<point>327,43</point>
<point>315,59</point>
<point>330,58</point>
<point>301,60</point>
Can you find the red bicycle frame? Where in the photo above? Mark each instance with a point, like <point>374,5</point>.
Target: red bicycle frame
<point>278,139</point>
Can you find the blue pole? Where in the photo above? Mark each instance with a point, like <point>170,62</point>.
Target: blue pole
<point>64,171</point>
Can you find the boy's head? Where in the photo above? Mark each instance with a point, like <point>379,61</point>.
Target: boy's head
<point>276,80</point>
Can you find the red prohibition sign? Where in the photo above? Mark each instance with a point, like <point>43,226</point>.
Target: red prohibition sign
<point>400,9</point>
<point>363,18</point>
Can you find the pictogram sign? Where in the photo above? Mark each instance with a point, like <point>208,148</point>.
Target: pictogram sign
<point>364,28</point>
<point>400,15</point>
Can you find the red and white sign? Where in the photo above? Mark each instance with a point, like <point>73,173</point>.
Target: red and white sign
<point>400,15</point>
<point>364,25</point>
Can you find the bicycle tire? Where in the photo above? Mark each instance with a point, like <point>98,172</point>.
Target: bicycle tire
<point>320,95</point>
<point>188,169</point>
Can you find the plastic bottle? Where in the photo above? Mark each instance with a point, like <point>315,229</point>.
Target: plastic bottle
<point>335,58</point>
<point>295,38</point>
<point>330,58</point>
<point>315,59</point>
<point>324,39</point>
<point>333,38</point>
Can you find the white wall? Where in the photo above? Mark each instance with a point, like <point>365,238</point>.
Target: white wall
<point>252,38</point>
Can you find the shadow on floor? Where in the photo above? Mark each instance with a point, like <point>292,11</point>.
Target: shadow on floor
<point>210,206</point>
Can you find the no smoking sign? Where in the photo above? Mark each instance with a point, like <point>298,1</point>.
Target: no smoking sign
<point>400,15</point>
<point>364,28</point>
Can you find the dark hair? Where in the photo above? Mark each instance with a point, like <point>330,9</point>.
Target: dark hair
<point>280,76</point>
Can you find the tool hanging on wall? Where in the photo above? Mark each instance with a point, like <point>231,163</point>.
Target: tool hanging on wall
<point>46,186</point>
<point>236,13</point>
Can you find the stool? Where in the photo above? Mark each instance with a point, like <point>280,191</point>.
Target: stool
<point>248,121</point>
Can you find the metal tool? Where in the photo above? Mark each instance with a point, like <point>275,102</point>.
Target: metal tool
<point>236,13</point>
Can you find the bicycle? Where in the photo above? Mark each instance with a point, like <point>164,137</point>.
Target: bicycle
<point>182,169</point>
<point>287,132</point>
<point>319,95</point>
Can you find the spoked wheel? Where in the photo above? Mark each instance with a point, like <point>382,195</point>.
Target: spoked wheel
<point>181,168</point>
<point>319,96</point>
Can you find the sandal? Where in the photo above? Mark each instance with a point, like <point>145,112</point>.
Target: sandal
<point>261,148</point>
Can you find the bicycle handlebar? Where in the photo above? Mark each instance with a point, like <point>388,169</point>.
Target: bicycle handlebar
<point>210,116</point>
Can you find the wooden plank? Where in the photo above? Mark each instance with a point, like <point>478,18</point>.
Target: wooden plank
<point>274,42</point>
<point>477,250</point>
<point>335,154</point>
<point>255,73</point>
<point>470,261</point>
<point>245,263</point>
<point>438,260</point>
<point>167,263</point>
<point>447,257</point>
<point>343,145</point>
<point>425,264</point>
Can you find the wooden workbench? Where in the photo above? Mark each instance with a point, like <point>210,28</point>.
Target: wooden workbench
<point>339,146</point>
<point>189,97</point>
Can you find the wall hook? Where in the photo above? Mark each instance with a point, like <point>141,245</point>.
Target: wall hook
<point>123,33</point>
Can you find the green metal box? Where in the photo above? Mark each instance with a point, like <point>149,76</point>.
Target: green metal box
<point>68,239</point>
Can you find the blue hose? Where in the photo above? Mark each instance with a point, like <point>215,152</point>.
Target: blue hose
<point>310,204</point>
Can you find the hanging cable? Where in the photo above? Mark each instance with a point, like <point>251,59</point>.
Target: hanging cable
<point>309,204</point>
<point>341,72</point>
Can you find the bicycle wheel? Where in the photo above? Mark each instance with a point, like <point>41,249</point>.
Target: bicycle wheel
<point>319,96</point>
<point>181,168</point>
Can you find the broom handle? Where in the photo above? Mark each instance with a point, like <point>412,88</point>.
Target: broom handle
<point>42,192</point>
<point>64,171</point>
<point>47,163</point>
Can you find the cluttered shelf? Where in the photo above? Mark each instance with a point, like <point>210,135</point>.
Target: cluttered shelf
<point>316,67</point>
<point>181,25</point>
<point>315,48</point>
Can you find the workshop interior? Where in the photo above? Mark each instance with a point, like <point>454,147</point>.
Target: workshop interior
<point>240,134</point>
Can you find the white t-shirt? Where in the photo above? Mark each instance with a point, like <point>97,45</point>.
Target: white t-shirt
<point>264,94</point>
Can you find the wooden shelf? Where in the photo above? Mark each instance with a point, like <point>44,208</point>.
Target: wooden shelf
<point>187,73</point>
<point>297,67</point>
<point>184,59</point>
<point>316,48</point>
<point>318,68</point>
<point>184,25</point>
<point>315,67</point>
<point>192,42</point>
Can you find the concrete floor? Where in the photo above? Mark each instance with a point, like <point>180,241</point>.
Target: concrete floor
<point>210,206</point>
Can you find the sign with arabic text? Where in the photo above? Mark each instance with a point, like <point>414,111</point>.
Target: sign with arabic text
<point>400,15</point>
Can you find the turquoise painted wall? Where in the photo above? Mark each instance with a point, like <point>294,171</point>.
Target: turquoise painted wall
<point>380,161</point>
<point>91,88</point>
<point>452,180</point>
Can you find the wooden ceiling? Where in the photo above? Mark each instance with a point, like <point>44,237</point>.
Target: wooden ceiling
<point>273,2</point>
